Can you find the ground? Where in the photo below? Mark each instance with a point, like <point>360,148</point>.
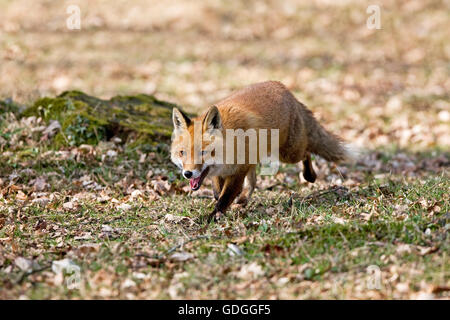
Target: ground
<point>123,215</point>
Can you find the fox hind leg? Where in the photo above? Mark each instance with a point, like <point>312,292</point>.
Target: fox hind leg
<point>308,170</point>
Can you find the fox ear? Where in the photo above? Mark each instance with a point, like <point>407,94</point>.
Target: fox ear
<point>212,119</point>
<point>180,119</point>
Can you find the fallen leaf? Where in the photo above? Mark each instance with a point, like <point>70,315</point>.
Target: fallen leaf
<point>52,128</point>
<point>21,195</point>
<point>39,184</point>
<point>84,236</point>
<point>234,250</point>
<point>89,247</point>
<point>439,289</point>
<point>41,201</point>
<point>59,266</point>
<point>111,154</point>
<point>178,219</point>
<point>124,207</point>
<point>25,265</point>
<point>128,283</point>
<point>250,271</point>
<point>162,187</point>
<point>136,194</point>
<point>103,199</point>
<point>427,250</point>
<point>106,228</point>
<point>402,287</point>
<point>40,225</point>
<point>339,220</point>
<point>181,256</point>
<point>403,248</point>
<point>69,205</point>
<point>269,249</point>
<point>425,296</point>
<point>240,240</point>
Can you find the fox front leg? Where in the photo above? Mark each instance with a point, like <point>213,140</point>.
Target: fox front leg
<point>232,187</point>
<point>249,186</point>
<point>217,184</point>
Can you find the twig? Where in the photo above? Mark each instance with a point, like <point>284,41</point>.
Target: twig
<point>26,274</point>
<point>318,194</point>
<point>172,249</point>
<point>99,177</point>
<point>343,237</point>
<point>184,243</point>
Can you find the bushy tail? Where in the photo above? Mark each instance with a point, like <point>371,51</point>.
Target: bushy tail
<point>324,143</point>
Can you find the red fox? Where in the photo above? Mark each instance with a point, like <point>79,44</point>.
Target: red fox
<point>267,105</point>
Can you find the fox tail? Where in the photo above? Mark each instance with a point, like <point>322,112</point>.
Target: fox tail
<point>326,144</point>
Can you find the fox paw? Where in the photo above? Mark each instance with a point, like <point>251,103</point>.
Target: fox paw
<point>241,202</point>
<point>237,206</point>
<point>216,216</point>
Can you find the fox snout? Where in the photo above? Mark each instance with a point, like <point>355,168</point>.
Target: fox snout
<point>195,177</point>
<point>191,173</point>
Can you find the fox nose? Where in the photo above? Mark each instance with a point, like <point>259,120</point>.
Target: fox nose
<point>187,174</point>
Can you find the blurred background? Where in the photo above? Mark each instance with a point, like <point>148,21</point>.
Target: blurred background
<point>377,88</point>
<point>89,191</point>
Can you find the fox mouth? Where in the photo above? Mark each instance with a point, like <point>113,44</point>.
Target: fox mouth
<point>196,183</point>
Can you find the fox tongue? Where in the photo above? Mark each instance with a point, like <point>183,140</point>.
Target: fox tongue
<point>194,182</point>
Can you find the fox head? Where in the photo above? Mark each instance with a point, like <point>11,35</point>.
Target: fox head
<point>194,144</point>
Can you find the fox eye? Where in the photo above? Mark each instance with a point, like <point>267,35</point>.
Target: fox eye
<point>204,153</point>
<point>182,153</point>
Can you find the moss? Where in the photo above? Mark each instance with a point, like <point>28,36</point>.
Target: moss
<point>87,119</point>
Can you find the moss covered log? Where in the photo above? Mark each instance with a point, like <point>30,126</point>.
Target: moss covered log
<point>86,119</point>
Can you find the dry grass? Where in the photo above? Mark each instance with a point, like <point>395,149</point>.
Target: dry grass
<point>376,87</point>
<point>386,90</point>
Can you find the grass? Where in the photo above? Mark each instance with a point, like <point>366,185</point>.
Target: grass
<point>122,218</point>
<point>302,243</point>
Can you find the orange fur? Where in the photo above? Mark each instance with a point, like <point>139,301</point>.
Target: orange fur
<point>266,105</point>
